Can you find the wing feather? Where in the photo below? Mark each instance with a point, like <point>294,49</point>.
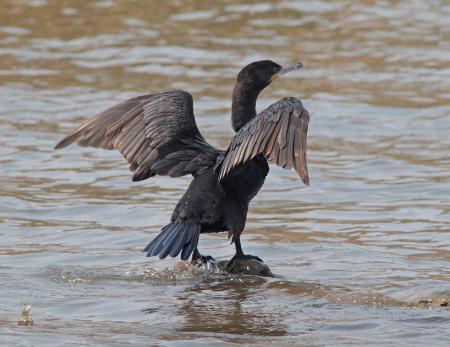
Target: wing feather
<point>279,133</point>
<point>146,130</point>
<point>273,137</point>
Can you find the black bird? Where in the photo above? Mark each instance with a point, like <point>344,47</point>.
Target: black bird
<point>157,134</point>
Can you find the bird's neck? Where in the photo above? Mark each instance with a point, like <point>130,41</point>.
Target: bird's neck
<point>243,107</point>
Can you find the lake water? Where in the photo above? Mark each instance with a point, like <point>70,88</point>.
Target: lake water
<point>361,256</point>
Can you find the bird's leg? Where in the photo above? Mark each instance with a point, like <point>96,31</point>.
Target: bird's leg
<point>239,253</point>
<point>198,259</point>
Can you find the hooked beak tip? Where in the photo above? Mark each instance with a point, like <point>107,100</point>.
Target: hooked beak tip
<point>286,69</point>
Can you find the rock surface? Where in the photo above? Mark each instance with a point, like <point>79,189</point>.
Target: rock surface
<point>245,267</point>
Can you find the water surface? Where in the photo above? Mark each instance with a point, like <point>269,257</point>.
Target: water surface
<point>362,255</point>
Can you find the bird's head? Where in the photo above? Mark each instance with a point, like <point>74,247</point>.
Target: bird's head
<point>260,74</point>
<point>251,80</point>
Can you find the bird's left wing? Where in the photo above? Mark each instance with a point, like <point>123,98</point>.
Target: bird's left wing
<point>279,133</point>
<point>156,133</point>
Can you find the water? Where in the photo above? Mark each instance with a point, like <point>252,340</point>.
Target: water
<point>358,254</point>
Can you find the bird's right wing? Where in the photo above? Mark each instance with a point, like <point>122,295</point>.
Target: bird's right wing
<point>279,133</point>
<point>156,133</point>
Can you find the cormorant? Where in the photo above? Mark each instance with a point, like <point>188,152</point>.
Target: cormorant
<point>157,134</point>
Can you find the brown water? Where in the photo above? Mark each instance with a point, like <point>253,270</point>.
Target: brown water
<point>354,253</point>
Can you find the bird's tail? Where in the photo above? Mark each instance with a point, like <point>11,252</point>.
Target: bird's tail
<point>173,239</point>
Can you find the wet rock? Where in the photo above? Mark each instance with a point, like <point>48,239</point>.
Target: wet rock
<point>435,302</point>
<point>238,266</point>
<point>426,302</point>
<point>245,267</point>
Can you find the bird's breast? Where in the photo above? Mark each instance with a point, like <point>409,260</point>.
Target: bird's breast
<point>246,180</point>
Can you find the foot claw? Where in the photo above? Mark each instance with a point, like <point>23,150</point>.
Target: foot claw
<point>201,260</point>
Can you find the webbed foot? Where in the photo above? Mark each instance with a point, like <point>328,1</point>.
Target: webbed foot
<point>202,260</point>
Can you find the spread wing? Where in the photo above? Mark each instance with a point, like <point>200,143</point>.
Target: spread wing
<point>156,133</point>
<point>279,133</point>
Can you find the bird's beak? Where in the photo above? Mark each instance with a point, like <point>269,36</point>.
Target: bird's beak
<point>286,69</point>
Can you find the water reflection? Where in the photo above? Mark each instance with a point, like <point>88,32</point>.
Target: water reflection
<point>233,309</point>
